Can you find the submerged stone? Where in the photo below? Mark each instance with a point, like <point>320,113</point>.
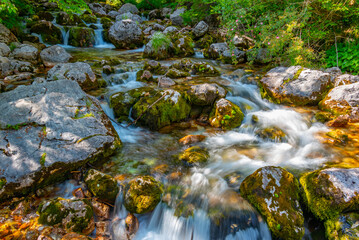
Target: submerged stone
<point>345,226</point>
<point>271,133</point>
<point>142,194</point>
<point>102,186</point>
<point>274,192</point>
<point>194,155</point>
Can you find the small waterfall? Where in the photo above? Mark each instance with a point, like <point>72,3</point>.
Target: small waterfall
<point>99,41</point>
<point>65,34</point>
<point>198,53</point>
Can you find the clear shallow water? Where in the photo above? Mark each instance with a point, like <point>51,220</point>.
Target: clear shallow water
<point>214,209</point>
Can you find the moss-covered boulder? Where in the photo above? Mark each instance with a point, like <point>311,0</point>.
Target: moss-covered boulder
<point>204,69</point>
<point>89,18</point>
<point>329,192</point>
<point>175,73</point>
<point>106,22</point>
<point>194,155</point>
<point>344,227</point>
<point>226,115</point>
<point>274,192</point>
<point>48,31</point>
<point>144,76</point>
<point>73,215</point>
<point>142,194</point>
<point>155,67</point>
<point>271,133</point>
<point>67,20</point>
<point>81,37</point>
<point>159,47</point>
<point>205,42</point>
<point>205,94</point>
<point>184,47</point>
<point>102,186</point>
<point>165,110</point>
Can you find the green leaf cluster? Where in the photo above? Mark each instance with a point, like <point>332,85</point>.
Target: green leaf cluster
<point>347,55</point>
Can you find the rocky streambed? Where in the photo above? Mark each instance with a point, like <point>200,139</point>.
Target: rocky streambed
<point>111,144</point>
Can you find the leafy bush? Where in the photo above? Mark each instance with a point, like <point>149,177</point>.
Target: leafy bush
<point>348,57</point>
<point>150,4</point>
<point>160,40</point>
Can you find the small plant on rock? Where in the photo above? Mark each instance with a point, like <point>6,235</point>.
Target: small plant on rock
<point>160,40</point>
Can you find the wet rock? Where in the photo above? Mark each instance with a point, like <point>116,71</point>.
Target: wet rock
<point>176,18</point>
<point>74,236</point>
<point>175,73</point>
<point>271,133</point>
<point>166,12</point>
<point>165,82</point>
<point>45,16</point>
<point>184,47</point>
<point>170,29</point>
<point>88,18</point>
<point>54,55</point>
<point>237,75</point>
<point>142,194</point>
<point>81,37</point>
<point>200,29</point>
<point>103,229</point>
<point>49,32</point>
<point>132,225</point>
<point>343,99</point>
<point>107,69</point>
<point>4,50</point>
<point>129,16</point>
<point>340,121</point>
<point>26,52</point>
<point>79,72</point>
<point>274,192</point>
<point>58,128</point>
<point>159,47</point>
<point>171,108</point>
<point>344,226</point>
<point>205,94</point>
<point>187,140</point>
<point>330,192</point>
<point>154,67</point>
<point>113,14</point>
<point>102,211</point>
<point>98,9</point>
<point>128,8</point>
<point>73,215</point>
<point>194,155</point>
<point>226,115</point>
<point>78,193</point>
<point>102,186</point>
<point>345,79</point>
<point>295,85</point>
<point>144,76</point>
<point>106,24</point>
<point>221,51</point>
<point>125,34</point>
<point>204,69</point>
<point>6,36</point>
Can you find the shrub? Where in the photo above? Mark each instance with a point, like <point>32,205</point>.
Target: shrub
<point>348,57</point>
<point>160,40</point>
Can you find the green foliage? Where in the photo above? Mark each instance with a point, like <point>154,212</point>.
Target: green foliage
<point>43,159</point>
<point>151,4</point>
<point>160,40</point>
<point>348,57</point>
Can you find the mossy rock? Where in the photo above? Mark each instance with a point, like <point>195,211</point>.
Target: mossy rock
<point>169,109</point>
<point>155,67</point>
<point>175,73</point>
<point>323,116</point>
<point>226,115</point>
<point>330,192</point>
<point>49,32</point>
<point>144,76</point>
<point>344,227</point>
<point>205,42</point>
<point>184,47</point>
<point>271,133</point>
<point>81,37</point>
<point>67,20</point>
<point>194,155</point>
<point>204,69</point>
<point>274,192</point>
<point>102,186</point>
<point>106,22</point>
<point>142,194</point>
<point>73,215</point>
<point>88,18</point>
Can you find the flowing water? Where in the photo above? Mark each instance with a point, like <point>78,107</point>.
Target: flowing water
<point>203,202</point>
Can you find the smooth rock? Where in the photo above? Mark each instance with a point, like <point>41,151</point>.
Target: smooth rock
<point>176,18</point>
<point>205,94</point>
<point>128,7</point>
<point>126,34</point>
<point>165,82</point>
<point>200,29</point>
<point>54,55</point>
<point>226,115</point>
<point>26,52</point>
<point>4,50</point>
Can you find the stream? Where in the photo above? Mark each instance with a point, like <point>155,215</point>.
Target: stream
<point>203,202</point>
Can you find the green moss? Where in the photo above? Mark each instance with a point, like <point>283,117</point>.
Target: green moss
<point>142,194</point>
<point>227,115</point>
<point>3,182</point>
<point>106,22</point>
<point>297,74</point>
<point>282,211</point>
<point>175,73</point>
<point>81,37</point>
<point>88,18</point>
<point>160,40</point>
<point>343,228</point>
<point>52,213</point>
<point>43,159</point>
<point>102,185</point>
<point>194,155</point>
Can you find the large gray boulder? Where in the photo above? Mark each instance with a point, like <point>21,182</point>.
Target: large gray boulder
<point>200,29</point>
<point>97,9</point>
<point>4,50</point>
<point>176,17</point>
<point>345,79</point>
<point>6,36</point>
<point>170,30</point>
<point>48,130</point>
<point>128,8</point>
<point>54,55</point>
<point>133,17</point>
<point>26,52</point>
<point>296,85</point>
<point>205,94</point>
<point>343,99</point>
<point>126,34</point>
<point>11,66</point>
<point>80,72</point>
<point>221,51</point>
